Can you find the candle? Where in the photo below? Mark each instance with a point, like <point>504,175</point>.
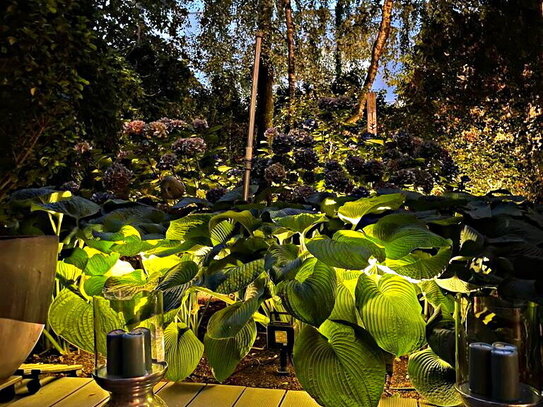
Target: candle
<point>479,368</point>
<point>505,372</point>
<point>114,352</point>
<point>147,344</point>
<point>133,354</point>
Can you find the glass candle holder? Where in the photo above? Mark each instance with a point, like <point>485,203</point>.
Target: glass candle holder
<point>498,351</point>
<point>129,346</point>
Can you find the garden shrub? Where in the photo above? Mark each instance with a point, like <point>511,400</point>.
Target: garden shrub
<point>354,271</point>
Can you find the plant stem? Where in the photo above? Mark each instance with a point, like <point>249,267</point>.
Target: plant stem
<point>53,341</point>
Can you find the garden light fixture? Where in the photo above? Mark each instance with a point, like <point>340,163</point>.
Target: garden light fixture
<point>280,335</point>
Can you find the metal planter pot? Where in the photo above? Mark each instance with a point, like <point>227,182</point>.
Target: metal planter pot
<point>27,275</point>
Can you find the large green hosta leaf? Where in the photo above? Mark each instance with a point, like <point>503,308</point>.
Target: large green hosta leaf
<point>222,231</point>
<point>99,264</point>
<point>179,274</point>
<point>224,354</point>
<point>231,332</point>
<point>400,234</point>
<point>345,306</point>
<point>160,265</point>
<point>311,295</point>
<point>406,241</point>
<point>391,312</point>
<point>183,351</point>
<point>282,260</point>
<point>190,227</point>
<point>245,218</point>
<point>75,206</point>
<point>234,278</point>
<point>68,272</point>
<point>421,265</point>
<point>71,317</point>
<point>300,222</point>
<point>435,296</point>
<point>360,239</point>
<point>346,255</point>
<point>339,365</point>
<point>353,211</point>
<point>433,378</point>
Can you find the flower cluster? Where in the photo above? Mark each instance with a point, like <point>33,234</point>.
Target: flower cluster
<point>168,161</point>
<point>82,147</point>
<point>200,124</point>
<point>306,158</point>
<point>302,138</point>
<point>190,147</point>
<point>337,181</point>
<point>117,179</point>
<point>135,127</point>
<point>214,194</point>
<point>156,129</point>
<point>282,143</point>
<point>275,173</point>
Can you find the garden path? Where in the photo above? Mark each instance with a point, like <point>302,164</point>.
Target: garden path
<point>83,392</point>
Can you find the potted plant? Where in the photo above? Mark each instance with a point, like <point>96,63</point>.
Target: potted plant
<point>27,269</point>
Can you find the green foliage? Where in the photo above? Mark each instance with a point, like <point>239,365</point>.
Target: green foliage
<point>354,286</point>
<point>339,365</point>
<point>71,71</point>
<point>474,76</point>
<point>391,313</point>
<point>183,351</point>
<point>310,296</point>
<point>433,378</point>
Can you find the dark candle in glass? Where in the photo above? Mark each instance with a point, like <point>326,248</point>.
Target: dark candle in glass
<point>134,354</point>
<point>505,372</point>
<point>148,347</point>
<point>129,337</point>
<point>114,352</point>
<point>479,368</point>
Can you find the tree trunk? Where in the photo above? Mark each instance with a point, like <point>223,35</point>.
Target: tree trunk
<point>265,102</point>
<point>291,61</point>
<point>376,52</point>
<point>339,18</point>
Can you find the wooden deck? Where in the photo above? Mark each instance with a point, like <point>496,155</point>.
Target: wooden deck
<point>83,392</point>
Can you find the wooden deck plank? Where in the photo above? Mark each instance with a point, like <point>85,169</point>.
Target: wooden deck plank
<point>10,381</point>
<point>260,397</point>
<point>180,394</point>
<point>87,396</point>
<point>50,394</point>
<point>217,395</point>
<point>298,399</point>
<point>84,392</point>
<point>397,402</point>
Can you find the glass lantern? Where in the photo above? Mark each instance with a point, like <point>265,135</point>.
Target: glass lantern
<point>129,346</point>
<point>498,351</point>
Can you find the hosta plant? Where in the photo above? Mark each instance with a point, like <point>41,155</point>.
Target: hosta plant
<point>354,273</point>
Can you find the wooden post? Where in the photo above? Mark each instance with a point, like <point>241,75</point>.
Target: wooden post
<point>252,112</point>
<point>371,108</point>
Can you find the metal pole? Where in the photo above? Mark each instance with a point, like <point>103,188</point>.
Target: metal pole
<point>252,111</point>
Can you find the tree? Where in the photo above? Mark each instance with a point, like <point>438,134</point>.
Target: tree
<point>41,48</point>
<point>289,22</point>
<point>265,103</point>
<point>475,76</point>
<point>376,53</point>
